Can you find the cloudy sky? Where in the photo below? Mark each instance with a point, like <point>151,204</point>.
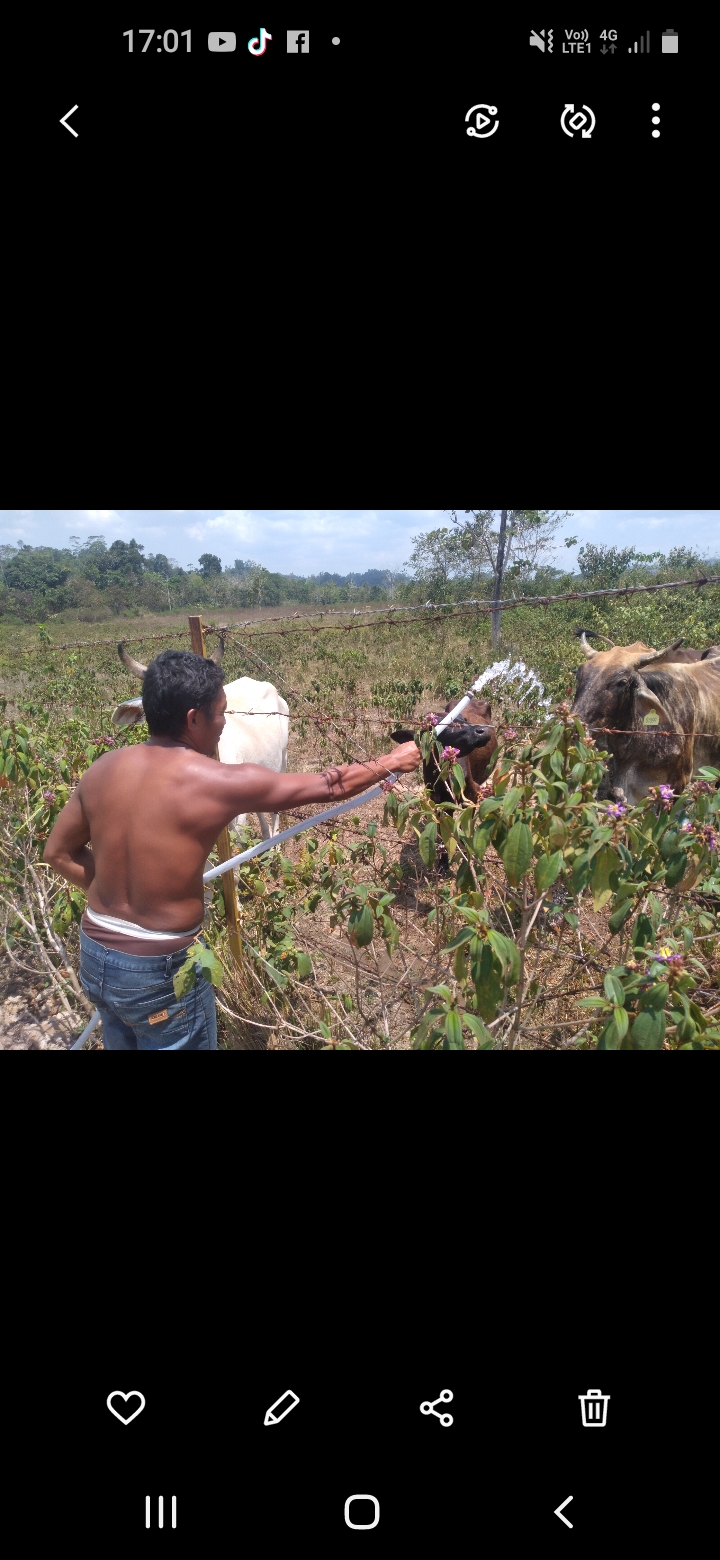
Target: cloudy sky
<point>308,541</point>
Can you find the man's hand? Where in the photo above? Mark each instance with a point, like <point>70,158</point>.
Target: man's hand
<point>402,760</point>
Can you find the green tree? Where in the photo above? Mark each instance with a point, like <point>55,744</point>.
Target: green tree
<point>37,569</point>
<point>122,561</point>
<point>682,559</point>
<point>209,565</point>
<point>7,552</point>
<point>242,568</point>
<point>436,557</point>
<point>605,565</point>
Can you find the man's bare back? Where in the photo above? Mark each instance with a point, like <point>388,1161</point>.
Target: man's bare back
<point>154,811</point>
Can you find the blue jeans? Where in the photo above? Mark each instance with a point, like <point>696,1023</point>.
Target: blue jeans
<point>130,991</point>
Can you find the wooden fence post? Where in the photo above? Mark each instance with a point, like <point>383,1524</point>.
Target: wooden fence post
<point>224,849</point>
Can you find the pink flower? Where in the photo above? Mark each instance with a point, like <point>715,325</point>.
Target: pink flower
<point>615,810</point>
<point>509,734</point>
<point>48,796</point>
<point>386,785</point>
<point>451,752</point>
<point>664,794</point>
<point>685,827</point>
<point>709,835</point>
<point>432,719</point>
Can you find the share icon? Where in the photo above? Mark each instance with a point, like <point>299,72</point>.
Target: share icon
<point>430,1408</point>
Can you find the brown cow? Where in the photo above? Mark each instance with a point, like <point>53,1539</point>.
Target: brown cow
<point>474,734</point>
<point>479,762</point>
<point>617,688</point>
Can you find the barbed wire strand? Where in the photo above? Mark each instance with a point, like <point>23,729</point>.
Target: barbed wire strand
<point>484,605</point>
<point>319,720</point>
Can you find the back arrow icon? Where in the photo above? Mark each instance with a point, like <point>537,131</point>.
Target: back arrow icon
<point>64,121</point>
<point>558,1512</point>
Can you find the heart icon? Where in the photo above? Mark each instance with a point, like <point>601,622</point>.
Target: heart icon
<point>125,1396</point>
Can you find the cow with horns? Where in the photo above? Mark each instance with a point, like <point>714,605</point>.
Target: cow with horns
<point>619,687</point>
<point>256,727</point>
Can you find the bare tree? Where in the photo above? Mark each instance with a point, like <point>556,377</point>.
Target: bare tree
<point>505,542</point>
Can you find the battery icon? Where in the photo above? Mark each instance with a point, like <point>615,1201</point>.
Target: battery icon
<point>670,41</point>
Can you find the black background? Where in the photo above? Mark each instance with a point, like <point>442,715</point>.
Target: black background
<point>516,1449</point>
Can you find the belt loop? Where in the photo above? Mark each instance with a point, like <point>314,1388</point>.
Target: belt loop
<point>168,965</point>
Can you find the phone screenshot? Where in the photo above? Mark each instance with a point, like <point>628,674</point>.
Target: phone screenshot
<point>441,103</point>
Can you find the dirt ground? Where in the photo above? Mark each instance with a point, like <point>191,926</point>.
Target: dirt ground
<point>32,1017</point>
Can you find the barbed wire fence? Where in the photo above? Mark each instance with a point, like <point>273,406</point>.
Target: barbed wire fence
<point>454,609</point>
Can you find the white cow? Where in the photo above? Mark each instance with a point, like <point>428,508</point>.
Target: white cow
<point>256,728</point>
<point>256,732</point>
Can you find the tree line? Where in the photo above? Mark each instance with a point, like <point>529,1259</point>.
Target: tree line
<point>90,580</point>
<point>488,553</point>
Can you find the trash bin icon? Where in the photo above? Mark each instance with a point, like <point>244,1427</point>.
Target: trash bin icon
<point>594,1408</point>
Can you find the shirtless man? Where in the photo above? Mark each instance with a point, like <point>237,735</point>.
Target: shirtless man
<point>153,813</point>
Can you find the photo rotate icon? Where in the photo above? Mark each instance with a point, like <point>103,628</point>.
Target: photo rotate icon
<point>583,120</point>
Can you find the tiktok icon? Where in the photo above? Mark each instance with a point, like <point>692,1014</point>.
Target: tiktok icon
<point>258,45</point>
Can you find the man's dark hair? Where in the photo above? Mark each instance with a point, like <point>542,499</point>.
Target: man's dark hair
<point>175,682</point>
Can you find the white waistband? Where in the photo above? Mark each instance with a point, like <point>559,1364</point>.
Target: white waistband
<point>112,924</point>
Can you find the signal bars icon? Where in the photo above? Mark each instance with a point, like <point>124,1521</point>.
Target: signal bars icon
<point>644,45</point>
<point>161,1511</point>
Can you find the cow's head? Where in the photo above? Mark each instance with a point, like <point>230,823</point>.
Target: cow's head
<point>616,689</point>
<point>462,734</point>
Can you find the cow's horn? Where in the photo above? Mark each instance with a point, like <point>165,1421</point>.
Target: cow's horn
<point>588,649</point>
<point>656,654</point>
<point>219,650</point>
<point>127,660</point>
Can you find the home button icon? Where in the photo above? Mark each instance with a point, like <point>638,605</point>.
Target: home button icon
<point>362,1525</point>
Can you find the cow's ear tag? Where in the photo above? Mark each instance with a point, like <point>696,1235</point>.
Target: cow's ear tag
<point>651,719</point>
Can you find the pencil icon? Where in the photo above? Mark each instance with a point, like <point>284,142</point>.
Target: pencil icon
<point>279,1409</point>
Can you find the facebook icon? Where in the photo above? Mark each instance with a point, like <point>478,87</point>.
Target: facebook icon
<point>298,43</point>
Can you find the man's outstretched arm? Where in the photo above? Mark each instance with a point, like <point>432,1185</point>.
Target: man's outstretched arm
<point>251,788</point>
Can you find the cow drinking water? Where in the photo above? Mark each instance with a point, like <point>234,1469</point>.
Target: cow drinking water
<point>474,736</point>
